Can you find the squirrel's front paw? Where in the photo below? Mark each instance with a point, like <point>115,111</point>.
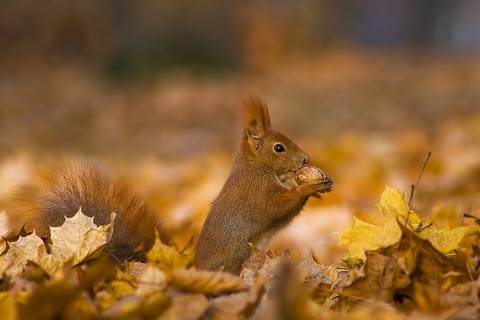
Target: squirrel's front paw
<point>315,190</point>
<point>323,187</point>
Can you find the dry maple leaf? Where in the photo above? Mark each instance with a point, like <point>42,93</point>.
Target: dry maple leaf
<point>65,296</point>
<point>366,236</point>
<point>333,276</point>
<point>125,297</point>
<point>77,240</point>
<point>168,258</point>
<point>403,273</point>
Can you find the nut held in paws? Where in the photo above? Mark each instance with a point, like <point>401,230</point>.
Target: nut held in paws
<point>310,175</point>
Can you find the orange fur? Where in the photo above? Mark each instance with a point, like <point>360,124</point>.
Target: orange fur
<point>59,192</point>
<point>256,201</point>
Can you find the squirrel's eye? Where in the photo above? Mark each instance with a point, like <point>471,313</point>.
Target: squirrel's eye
<point>279,148</point>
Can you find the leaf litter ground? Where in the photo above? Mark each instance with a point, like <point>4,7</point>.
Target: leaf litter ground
<point>397,267</point>
<point>367,124</point>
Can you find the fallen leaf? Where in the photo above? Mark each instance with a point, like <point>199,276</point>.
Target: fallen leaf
<point>135,307</point>
<point>151,280</point>
<point>419,258</point>
<point>238,306</point>
<point>8,308</point>
<point>365,236</point>
<point>30,248</point>
<point>206,282</point>
<point>393,274</point>
<point>334,276</point>
<point>134,268</point>
<point>168,258</point>
<point>186,306</point>
<point>54,299</point>
<point>123,284</point>
<point>77,240</point>
<point>3,246</point>
<point>287,298</point>
<point>263,264</point>
<point>124,294</point>
<point>3,266</point>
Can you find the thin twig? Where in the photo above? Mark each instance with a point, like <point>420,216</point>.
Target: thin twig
<point>415,186</point>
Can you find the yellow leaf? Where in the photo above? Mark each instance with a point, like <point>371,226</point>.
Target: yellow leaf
<point>122,284</point>
<point>79,238</point>
<point>168,258</point>
<point>444,240</point>
<point>8,309</point>
<point>366,236</point>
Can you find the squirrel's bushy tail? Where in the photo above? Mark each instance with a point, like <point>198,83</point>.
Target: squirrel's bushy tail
<point>58,192</point>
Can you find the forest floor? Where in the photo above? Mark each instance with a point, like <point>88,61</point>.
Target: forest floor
<point>366,118</point>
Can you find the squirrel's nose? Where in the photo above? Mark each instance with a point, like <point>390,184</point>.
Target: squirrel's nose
<point>305,159</point>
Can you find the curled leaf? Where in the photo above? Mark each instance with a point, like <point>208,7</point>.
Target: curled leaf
<point>206,281</point>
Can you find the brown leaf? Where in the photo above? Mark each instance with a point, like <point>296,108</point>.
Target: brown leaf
<point>334,276</point>
<point>238,306</point>
<point>206,281</point>
<point>460,302</point>
<point>3,246</point>
<point>287,297</point>
<point>377,284</point>
<point>264,264</point>
<point>327,281</point>
<point>427,264</point>
<point>186,306</point>
<point>135,307</point>
<point>393,274</point>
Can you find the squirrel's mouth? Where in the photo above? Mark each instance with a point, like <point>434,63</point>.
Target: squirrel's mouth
<point>290,174</point>
<point>287,175</point>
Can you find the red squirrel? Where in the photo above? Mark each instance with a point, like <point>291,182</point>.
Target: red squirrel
<point>256,200</point>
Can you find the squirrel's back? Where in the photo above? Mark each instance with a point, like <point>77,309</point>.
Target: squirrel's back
<point>55,193</point>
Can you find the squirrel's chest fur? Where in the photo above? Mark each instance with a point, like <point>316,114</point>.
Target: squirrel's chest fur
<point>245,213</point>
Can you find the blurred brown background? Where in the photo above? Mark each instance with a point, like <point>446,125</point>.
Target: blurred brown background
<point>149,89</point>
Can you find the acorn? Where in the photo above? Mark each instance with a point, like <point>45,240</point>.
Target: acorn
<point>310,175</point>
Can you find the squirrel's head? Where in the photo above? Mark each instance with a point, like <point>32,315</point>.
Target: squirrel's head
<point>267,146</point>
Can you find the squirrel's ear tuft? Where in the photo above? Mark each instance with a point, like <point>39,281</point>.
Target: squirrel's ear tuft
<point>255,115</point>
